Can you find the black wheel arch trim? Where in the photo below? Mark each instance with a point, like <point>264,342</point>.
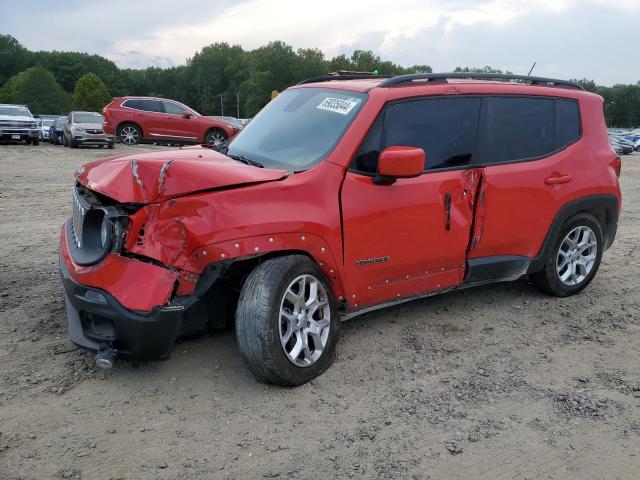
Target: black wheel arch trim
<point>607,204</point>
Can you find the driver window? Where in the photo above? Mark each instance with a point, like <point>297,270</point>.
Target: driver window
<point>170,107</point>
<point>445,128</point>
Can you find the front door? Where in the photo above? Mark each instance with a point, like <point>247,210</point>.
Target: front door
<point>411,237</point>
<point>177,125</point>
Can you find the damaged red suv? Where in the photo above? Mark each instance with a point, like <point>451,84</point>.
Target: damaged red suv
<point>383,190</point>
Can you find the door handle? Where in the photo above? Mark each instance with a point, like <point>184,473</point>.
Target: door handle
<point>558,179</point>
<point>447,208</point>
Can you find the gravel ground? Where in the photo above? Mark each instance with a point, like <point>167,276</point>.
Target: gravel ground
<point>494,382</point>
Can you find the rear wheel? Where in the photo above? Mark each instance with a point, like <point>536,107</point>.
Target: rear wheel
<point>287,322</point>
<point>575,257</point>
<point>215,137</point>
<point>129,134</point>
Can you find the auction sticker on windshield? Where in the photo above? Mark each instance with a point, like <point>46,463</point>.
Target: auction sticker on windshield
<point>338,105</point>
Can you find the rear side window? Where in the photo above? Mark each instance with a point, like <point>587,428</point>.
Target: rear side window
<point>520,128</point>
<point>517,128</point>
<point>445,128</point>
<point>145,105</point>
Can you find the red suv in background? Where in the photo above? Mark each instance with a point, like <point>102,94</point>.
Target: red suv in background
<point>384,190</point>
<point>136,119</point>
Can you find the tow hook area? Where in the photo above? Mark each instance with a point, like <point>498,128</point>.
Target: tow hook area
<point>105,357</point>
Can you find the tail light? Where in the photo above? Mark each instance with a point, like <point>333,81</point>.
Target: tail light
<point>616,163</point>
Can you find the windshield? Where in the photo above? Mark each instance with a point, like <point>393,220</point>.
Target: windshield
<point>87,118</point>
<point>14,111</point>
<point>60,122</point>
<point>298,128</point>
<point>47,122</point>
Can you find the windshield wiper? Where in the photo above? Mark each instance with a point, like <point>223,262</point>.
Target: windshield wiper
<point>248,161</point>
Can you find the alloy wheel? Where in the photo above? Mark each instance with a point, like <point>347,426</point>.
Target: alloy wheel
<point>215,138</point>
<point>576,256</point>
<point>129,135</point>
<point>305,320</point>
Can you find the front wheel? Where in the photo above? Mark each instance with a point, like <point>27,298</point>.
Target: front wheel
<point>575,257</point>
<point>215,137</point>
<point>287,323</point>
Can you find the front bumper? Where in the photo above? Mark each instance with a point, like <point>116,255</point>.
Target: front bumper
<point>98,321</point>
<point>19,134</point>
<point>97,317</point>
<point>88,139</point>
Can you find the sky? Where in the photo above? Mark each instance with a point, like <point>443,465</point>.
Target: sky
<point>595,39</point>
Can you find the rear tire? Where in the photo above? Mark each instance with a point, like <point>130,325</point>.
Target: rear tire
<point>287,342</point>
<point>129,134</point>
<point>574,259</point>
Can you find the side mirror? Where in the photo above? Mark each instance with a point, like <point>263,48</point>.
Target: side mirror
<point>187,116</point>
<point>399,162</point>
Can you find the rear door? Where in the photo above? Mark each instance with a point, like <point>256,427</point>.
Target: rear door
<point>411,237</point>
<point>149,114</point>
<point>527,146</point>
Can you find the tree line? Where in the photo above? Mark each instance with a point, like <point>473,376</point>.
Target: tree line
<point>220,77</point>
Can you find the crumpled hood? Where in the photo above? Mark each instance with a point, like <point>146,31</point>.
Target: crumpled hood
<point>155,176</point>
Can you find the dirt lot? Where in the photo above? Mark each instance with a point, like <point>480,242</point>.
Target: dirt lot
<point>490,383</point>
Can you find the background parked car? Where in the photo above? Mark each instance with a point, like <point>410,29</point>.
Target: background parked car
<point>45,122</point>
<point>17,124</point>
<point>86,128</point>
<point>137,119</point>
<point>56,131</point>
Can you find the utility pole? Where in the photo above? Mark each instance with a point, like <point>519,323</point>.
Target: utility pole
<point>237,104</point>
<point>221,106</point>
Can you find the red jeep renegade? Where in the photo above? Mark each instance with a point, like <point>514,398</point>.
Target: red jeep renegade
<point>136,119</point>
<point>382,190</point>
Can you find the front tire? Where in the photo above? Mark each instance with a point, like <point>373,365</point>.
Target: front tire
<point>287,323</point>
<point>215,137</point>
<point>35,142</point>
<point>575,257</point>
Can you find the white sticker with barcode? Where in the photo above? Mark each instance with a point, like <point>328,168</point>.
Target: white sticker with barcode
<point>338,105</point>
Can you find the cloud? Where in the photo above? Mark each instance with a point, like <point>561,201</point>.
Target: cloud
<point>591,38</point>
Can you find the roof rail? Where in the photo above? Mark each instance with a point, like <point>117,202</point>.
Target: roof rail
<point>443,77</point>
<point>343,75</point>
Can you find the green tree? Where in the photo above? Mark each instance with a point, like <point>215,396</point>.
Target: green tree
<point>37,88</point>
<point>90,93</point>
<point>13,57</point>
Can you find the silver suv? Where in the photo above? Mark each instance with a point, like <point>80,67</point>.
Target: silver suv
<point>85,128</point>
<point>17,124</point>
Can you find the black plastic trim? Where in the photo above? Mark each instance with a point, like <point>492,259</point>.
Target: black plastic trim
<point>497,268</point>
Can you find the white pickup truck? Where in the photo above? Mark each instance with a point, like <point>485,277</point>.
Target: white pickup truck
<point>17,124</point>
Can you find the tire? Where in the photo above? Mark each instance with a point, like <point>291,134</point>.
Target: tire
<point>72,143</point>
<point>111,146</point>
<point>129,134</point>
<point>215,137</point>
<point>549,279</point>
<point>35,142</point>
<point>259,323</point>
